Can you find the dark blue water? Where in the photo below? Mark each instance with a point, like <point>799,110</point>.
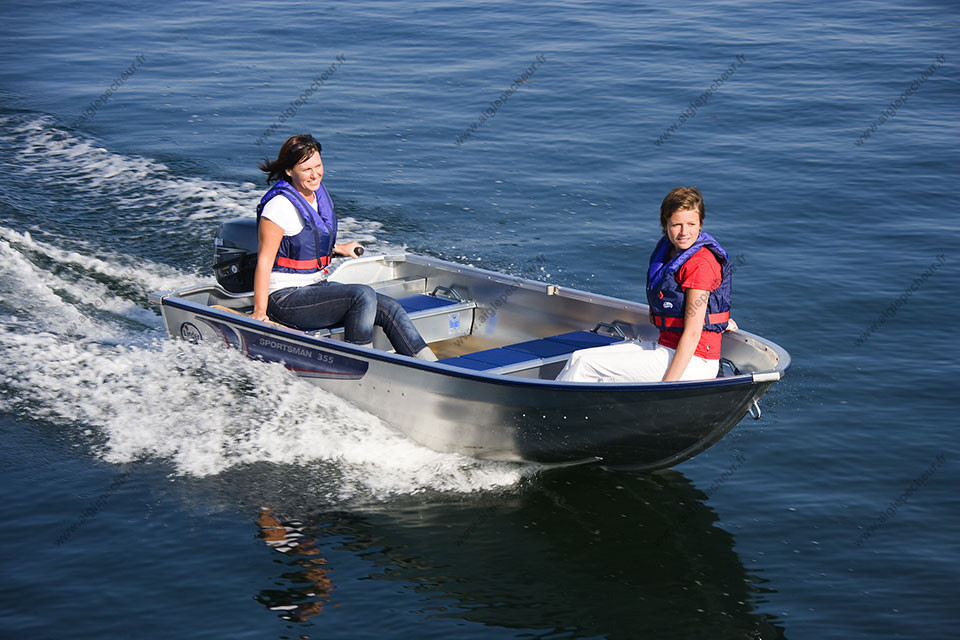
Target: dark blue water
<point>155,491</point>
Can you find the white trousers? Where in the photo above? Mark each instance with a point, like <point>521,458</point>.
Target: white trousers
<point>631,362</point>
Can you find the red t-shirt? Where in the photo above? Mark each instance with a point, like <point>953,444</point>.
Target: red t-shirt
<point>700,271</point>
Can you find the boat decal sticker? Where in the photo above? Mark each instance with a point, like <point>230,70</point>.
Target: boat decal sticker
<point>190,333</point>
<point>230,337</point>
<point>308,362</point>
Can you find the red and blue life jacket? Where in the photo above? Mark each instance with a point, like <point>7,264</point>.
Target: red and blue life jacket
<point>666,298</point>
<point>310,250</point>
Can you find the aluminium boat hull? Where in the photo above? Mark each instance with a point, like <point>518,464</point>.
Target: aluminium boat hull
<point>520,416</point>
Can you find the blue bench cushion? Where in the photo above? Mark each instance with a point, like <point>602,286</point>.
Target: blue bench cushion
<point>584,339</point>
<point>542,348</point>
<point>530,350</point>
<point>469,361</point>
<point>498,357</point>
<point>546,348</point>
<point>422,302</point>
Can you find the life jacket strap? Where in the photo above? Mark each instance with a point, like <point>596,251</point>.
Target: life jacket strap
<point>290,263</point>
<point>666,322</point>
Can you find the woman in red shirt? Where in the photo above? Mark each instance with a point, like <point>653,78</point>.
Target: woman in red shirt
<point>688,288</point>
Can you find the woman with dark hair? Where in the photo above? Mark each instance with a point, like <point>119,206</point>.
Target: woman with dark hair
<point>297,235</point>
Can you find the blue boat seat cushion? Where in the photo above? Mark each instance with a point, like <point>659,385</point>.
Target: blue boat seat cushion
<point>531,350</point>
<point>534,350</point>
<point>422,302</point>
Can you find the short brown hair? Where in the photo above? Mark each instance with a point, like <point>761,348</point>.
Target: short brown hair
<point>681,199</point>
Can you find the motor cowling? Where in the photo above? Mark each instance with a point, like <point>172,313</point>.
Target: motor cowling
<point>235,254</point>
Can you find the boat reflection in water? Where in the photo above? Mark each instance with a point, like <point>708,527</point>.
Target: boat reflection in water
<point>574,553</point>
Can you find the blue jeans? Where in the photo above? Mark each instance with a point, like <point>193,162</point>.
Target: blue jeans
<point>357,306</point>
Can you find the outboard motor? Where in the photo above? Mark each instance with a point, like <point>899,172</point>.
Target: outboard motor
<point>235,254</point>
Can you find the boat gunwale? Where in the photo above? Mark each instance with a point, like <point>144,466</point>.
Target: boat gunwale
<point>172,299</point>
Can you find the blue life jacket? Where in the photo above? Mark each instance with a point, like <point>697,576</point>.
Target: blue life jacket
<point>310,250</point>
<point>666,298</point>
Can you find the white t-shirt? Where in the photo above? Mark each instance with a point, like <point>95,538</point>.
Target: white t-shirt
<point>281,212</point>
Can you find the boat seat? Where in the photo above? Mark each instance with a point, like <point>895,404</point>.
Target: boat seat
<point>399,287</point>
<point>530,354</point>
<point>423,302</point>
<point>440,317</point>
<point>536,353</point>
<point>220,307</point>
<point>437,316</point>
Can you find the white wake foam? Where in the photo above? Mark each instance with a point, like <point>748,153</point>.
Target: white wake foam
<point>80,347</point>
<point>207,409</point>
<point>45,151</point>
